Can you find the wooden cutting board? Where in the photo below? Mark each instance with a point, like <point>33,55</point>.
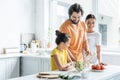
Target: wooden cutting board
<point>49,73</point>
<point>49,76</point>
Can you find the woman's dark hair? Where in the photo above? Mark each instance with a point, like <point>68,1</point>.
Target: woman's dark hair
<point>61,37</point>
<point>75,8</point>
<point>90,16</point>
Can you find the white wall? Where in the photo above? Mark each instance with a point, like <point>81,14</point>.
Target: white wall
<point>28,16</point>
<point>16,17</point>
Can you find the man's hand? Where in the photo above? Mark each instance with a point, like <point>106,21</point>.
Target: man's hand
<point>88,53</point>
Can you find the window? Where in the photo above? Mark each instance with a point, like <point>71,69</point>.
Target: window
<point>109,23</point>
<point>103,31</point>
<point>58,14</point>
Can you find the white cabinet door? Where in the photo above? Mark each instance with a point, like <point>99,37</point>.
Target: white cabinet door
<point>2,69</point>
<point>29,66</point>
<point>12,67</point>
<point>32,65</point>
<point>45,64</point>
<point>9,68</point>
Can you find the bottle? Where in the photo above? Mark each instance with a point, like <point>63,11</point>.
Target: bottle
<point>33,46</point>
<point>4,50</point>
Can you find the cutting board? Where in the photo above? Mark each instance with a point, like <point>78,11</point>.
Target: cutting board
<point>49,76</point>
<point>49,73</point>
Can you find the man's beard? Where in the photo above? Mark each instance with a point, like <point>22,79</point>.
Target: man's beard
<point>74,21</point>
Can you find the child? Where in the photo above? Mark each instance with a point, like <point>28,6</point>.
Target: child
<point>94,40</point>
<point>60,59</point>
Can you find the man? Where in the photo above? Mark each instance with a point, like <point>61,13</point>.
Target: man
<point>77,31</point>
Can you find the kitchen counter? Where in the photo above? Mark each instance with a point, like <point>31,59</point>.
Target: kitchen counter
<point>109,73</point>
<point>10,55</point>
<point>40,53</point>
<point>46,54</point>
<point>25,55</point>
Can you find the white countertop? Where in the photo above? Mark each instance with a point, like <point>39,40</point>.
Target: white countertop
<point>109,72</point>
<point>8,55</point>
<point>42,54</point>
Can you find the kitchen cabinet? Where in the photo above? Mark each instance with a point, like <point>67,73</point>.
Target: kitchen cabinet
<point>9,68</point>
<point>2,69</point>
<point>34,64</point>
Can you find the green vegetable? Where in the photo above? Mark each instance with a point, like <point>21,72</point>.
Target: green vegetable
<point>64,76</point>
<point>79,66</point>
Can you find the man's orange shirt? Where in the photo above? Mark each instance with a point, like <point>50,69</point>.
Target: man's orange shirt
<point>78,37</point>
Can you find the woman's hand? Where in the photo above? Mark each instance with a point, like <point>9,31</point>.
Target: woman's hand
<point>101,63</point>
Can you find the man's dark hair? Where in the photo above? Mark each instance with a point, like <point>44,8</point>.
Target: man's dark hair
<point>75,8</point>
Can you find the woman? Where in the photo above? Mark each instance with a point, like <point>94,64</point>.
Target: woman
<point>94,41</point>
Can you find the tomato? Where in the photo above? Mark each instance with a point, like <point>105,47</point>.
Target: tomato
<point>93,66</point>
<point>102,67</point>
<point>98,67</point>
